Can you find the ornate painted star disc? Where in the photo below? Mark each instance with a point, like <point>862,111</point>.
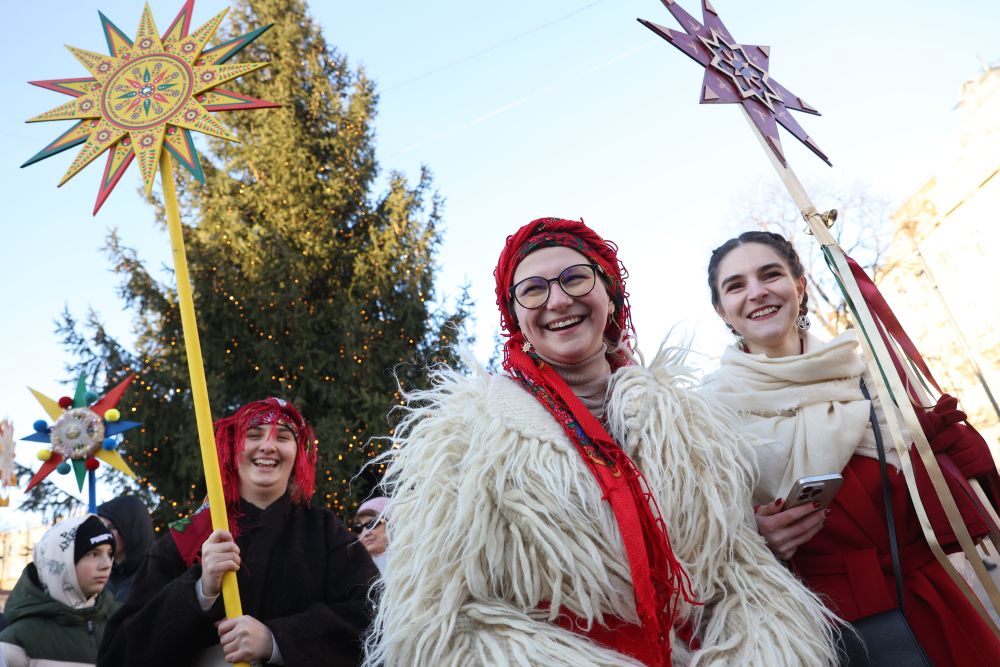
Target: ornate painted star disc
<point>148,94</point>
<point>737,74</point>
<point>77,434</point>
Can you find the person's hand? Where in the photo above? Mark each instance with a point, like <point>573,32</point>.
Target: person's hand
<point>245,639</point>
<point>219,554</point>
<point>784,532</point>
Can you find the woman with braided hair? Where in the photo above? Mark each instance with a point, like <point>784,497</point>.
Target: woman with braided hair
<point>580,509</point>
<point>303,578</point>
<point>802,399</point>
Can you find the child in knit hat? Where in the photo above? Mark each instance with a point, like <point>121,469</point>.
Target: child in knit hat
<point>57,611</point>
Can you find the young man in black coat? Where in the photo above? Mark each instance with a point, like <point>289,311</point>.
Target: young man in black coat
<point>130,523</point>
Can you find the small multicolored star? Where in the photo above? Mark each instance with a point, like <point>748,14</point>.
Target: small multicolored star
<point>83,432</point>
<point>149,93</point>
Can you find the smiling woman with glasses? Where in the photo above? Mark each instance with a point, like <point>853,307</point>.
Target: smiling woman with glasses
<point>530,510</point>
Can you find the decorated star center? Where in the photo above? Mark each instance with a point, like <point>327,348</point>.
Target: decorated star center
<point>749,79</point>
<point>146,94</point>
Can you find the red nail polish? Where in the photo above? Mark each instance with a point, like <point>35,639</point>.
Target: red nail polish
<point>816,504</point>
<point>827,512</point>
<point>778,502</point>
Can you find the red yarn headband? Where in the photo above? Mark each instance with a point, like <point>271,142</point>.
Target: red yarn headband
<point>573,234</point>
<point>230,436</point>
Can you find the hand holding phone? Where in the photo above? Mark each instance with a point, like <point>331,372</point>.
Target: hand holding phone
<point>814,489</point>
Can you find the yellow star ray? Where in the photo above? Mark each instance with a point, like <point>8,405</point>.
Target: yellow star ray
<point>115,460</point>
<point>147,145</point>
<point>50,406</point>
<point>99,65</point>
<point>191,46</point>
<point>85,106</point>
<point>102,137</point>
<point>210,76</point>
<point>195,117</point>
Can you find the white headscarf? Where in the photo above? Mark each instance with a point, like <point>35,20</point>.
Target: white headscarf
<point>56,567</point>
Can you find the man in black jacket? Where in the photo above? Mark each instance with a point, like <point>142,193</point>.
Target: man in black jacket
<point>130,523</point>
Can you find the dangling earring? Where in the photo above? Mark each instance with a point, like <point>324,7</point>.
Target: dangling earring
<point>740,342</point>
<point>802,321</point>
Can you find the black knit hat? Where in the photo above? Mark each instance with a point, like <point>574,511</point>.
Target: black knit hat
<point>91,534</point>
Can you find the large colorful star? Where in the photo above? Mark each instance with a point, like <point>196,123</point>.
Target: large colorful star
<point>737,74</point>
<point>83,429</point>
<point>149,92</point>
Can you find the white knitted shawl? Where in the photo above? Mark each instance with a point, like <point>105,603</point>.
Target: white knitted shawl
<point>806,411</point>
<point>499,525</point>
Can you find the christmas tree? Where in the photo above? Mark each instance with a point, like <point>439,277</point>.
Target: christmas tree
<point>309,286</point>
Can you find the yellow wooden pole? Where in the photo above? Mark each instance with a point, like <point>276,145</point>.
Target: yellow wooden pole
<point>199,388</point>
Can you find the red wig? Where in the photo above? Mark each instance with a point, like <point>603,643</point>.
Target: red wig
<point>230,436</point>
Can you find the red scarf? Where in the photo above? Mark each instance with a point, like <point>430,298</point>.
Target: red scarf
<point>658,579</point>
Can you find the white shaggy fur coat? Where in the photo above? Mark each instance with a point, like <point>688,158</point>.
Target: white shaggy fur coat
<point>497,524</point>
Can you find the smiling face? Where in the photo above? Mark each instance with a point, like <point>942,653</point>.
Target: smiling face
<point>266,463</point>
<point>566,329</point>
<point>93,570</point>
<point>760,298</point>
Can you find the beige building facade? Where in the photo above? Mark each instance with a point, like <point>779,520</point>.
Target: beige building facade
<point>16,547</point>
<point>943,273</point>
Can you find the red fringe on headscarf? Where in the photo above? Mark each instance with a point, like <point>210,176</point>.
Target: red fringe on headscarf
<point>658,579</point>
<point>230,436</point>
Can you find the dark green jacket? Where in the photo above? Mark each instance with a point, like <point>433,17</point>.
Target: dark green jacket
<point>48,629</point>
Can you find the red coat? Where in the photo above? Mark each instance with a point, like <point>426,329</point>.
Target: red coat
<point>849,564</point>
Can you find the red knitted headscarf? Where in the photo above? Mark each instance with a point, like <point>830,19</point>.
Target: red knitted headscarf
<point>658,579</point>
<point>230,436</point>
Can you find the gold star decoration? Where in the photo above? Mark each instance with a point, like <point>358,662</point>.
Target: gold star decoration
<point>148,93</point>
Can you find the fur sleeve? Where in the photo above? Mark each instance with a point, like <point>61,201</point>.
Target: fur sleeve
<point>701,469</point>
<point>489,536</point>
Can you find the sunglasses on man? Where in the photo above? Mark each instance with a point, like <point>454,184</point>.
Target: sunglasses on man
<point>367,525</point>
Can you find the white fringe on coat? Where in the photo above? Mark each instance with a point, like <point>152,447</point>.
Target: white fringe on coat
<point>497,525</point>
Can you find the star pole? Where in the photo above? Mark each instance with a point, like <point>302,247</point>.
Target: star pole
<point>140,104</point>
<point>738,74</point>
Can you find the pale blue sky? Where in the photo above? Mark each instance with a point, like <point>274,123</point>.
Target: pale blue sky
<point>578,111</point>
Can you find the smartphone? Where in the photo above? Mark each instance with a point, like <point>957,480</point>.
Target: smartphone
<point>816,489</point>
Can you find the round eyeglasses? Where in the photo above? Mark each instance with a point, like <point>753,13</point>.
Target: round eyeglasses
<point>576,281</point>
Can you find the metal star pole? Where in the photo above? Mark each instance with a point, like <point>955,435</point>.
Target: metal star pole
<point>738,74</point>
<point>145,96</point>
